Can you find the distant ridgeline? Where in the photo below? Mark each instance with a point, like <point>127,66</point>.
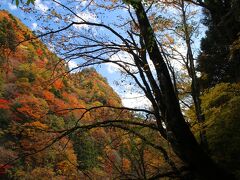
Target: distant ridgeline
<point>37,101</point>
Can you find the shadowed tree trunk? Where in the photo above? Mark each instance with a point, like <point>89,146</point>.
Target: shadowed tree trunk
<point>179,133</point>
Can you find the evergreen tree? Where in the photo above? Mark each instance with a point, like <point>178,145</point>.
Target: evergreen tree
<point>216,61</point>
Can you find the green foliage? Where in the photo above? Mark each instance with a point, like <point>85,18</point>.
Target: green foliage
<point>55,122</point>
<point>7,35</point>
<point>219,95</point>
<point>4,118</point>
<point>221,106</point>
<point>86,149</point>
<point>27,70</point>
<point>56,92</point>
<point>20,1</point>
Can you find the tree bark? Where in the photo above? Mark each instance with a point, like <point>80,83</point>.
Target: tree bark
<point>179,134</point>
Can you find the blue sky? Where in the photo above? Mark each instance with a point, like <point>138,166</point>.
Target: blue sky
<point>113,18</point>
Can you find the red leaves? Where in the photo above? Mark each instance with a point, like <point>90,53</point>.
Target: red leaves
<point>39,52</point>
<point>4,104</point>
<point>16,118</point>
<point>40,64</point>
<point>4,168</point>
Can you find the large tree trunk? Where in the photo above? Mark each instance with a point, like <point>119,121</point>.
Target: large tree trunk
<point>180,135</point>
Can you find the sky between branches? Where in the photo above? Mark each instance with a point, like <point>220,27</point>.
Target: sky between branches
<point>130,95</point>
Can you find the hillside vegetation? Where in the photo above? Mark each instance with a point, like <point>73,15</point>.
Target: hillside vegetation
<point>39,99</point>
<point>36,93</point>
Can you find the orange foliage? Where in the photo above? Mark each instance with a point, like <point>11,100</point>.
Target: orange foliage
<point>98,133</point>
<point>32,107</point>
<point>34,138</point>
<point>58,84</point>
<point>113,102</point>
<point>71,98</point>
<point>74,102</point>
<point>37,124</point>
<point>126,164</point>
<point>47,95</point>
<point>60,107</point>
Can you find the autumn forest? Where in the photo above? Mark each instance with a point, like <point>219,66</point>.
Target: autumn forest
<point>66,68</point>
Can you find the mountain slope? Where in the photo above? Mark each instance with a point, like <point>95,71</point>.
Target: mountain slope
<point>40,101</point>
<point>36,93</point>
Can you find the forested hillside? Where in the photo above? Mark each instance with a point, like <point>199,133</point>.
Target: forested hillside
<point>56,123</point>
<point>38,98</point>
<point>41,100</point>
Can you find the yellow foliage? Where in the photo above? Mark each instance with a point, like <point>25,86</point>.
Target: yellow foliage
<point>37,124</point>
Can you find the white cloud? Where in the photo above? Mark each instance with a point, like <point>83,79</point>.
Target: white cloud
<point>177,64</point>
<point>84,3</point>
<point>51,47</point>
<point>135,100</point>
<point>120,56</point>
<point>72,64</point>
<point>112,68</point>
<point>86,16</point>
<point>40,6</point>
<point>12,6</point>
<point>34,26</point>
